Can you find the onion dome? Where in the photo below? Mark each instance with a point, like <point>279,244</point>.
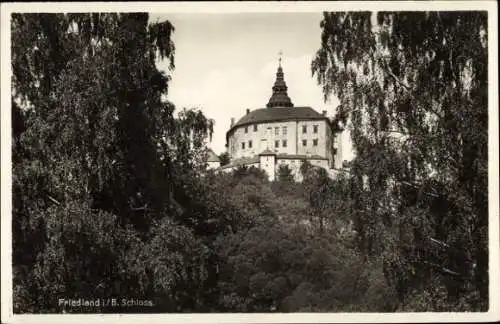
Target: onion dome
<point>280,96</point>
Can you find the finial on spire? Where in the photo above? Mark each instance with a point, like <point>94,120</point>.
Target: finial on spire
<point>279,97</point>
<point>280,54</point>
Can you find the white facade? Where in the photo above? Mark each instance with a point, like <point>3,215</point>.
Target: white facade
<point>212,165</point>
<point>251,140</point>
<point>271,165</point>
<point>293,165</point>
<point>268,164</point>
<point>306,137</point>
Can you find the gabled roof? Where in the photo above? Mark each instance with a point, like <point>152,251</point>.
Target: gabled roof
<point>211,156</point>
<point>267,152</point>
<point>318,157</point>
<point>241,161</point>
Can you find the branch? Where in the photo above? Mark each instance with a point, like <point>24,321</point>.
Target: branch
<point>416,186</point>
<point>53,200</point>
<point>451,272</point>
<point>431,110</point>
<point>439,242</point>
<point>450,60</point>
<point>145,207</point>
<point>389,71</point>
<point>404,135</point>
<point>399,132</point>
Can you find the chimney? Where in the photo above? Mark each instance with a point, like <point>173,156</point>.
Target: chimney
<point>323,112</point>
<point>248,111</point>
<point>232,121</point>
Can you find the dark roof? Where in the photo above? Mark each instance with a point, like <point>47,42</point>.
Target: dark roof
<point>211,156</point>
<point>241,161</point>
<point>264,115</point>
<point>280,96</point>
<point>267,152</point>
<point>300,157</point>
<point>318,157</point>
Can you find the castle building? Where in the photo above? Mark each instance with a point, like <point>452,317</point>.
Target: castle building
<point>282,134</point>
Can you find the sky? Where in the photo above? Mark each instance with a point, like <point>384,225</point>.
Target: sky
<point>227,62</point>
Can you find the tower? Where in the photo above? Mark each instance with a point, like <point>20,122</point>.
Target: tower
<point>280,97</point>
<point>267,161</point>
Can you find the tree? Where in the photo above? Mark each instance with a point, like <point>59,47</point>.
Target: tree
<point>277,268</point>
<point>285,174</point>
<point>319,194</point>
<point>305,167</point>
<point>414,87</point>
<point>94,135</point>
<point>224,158</point>
<point>79,258</point>
<point>91,96</point>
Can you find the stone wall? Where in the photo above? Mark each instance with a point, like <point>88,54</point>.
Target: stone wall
<point>213,165</point>
<point>263,137</point>
<point>250,141</point>
<point>293,165</point>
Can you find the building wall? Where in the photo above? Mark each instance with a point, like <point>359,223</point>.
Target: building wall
<point>213,165</point>
<point>268,164</point>
<point>293,165</point>
<point>322,136</point>
<point>230,169</point>
<point>337,159</point>
<point>263,138</point>
<point>271,165</point>
<point>319,163</point>
<point>227,170</point>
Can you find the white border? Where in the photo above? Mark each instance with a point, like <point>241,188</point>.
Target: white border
<point>234,7</point>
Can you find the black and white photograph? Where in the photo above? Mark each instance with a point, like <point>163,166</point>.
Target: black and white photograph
<point>275,161</point>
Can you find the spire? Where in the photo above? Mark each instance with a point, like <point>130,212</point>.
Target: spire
<point>279,97</point>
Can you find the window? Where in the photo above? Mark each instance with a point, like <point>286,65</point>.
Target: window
<point>315,128</point>
<point>243,145</point>
<point>255,127</point>
<point>284,143</point>
<point>315,142</point>
<point>304,129</point>
<point>304,142</point>
<point>249,144</point>
<point>246,129</point>
<point>284,130</point>
<point>276,143</point>
<point>276,131</point>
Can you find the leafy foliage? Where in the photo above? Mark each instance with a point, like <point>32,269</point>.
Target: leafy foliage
<point>85,254</point>
<point>285,174</point>
<point>285,262</point>
<point>224,158</point>
<point>413,92</point>
<point>97,142</point>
